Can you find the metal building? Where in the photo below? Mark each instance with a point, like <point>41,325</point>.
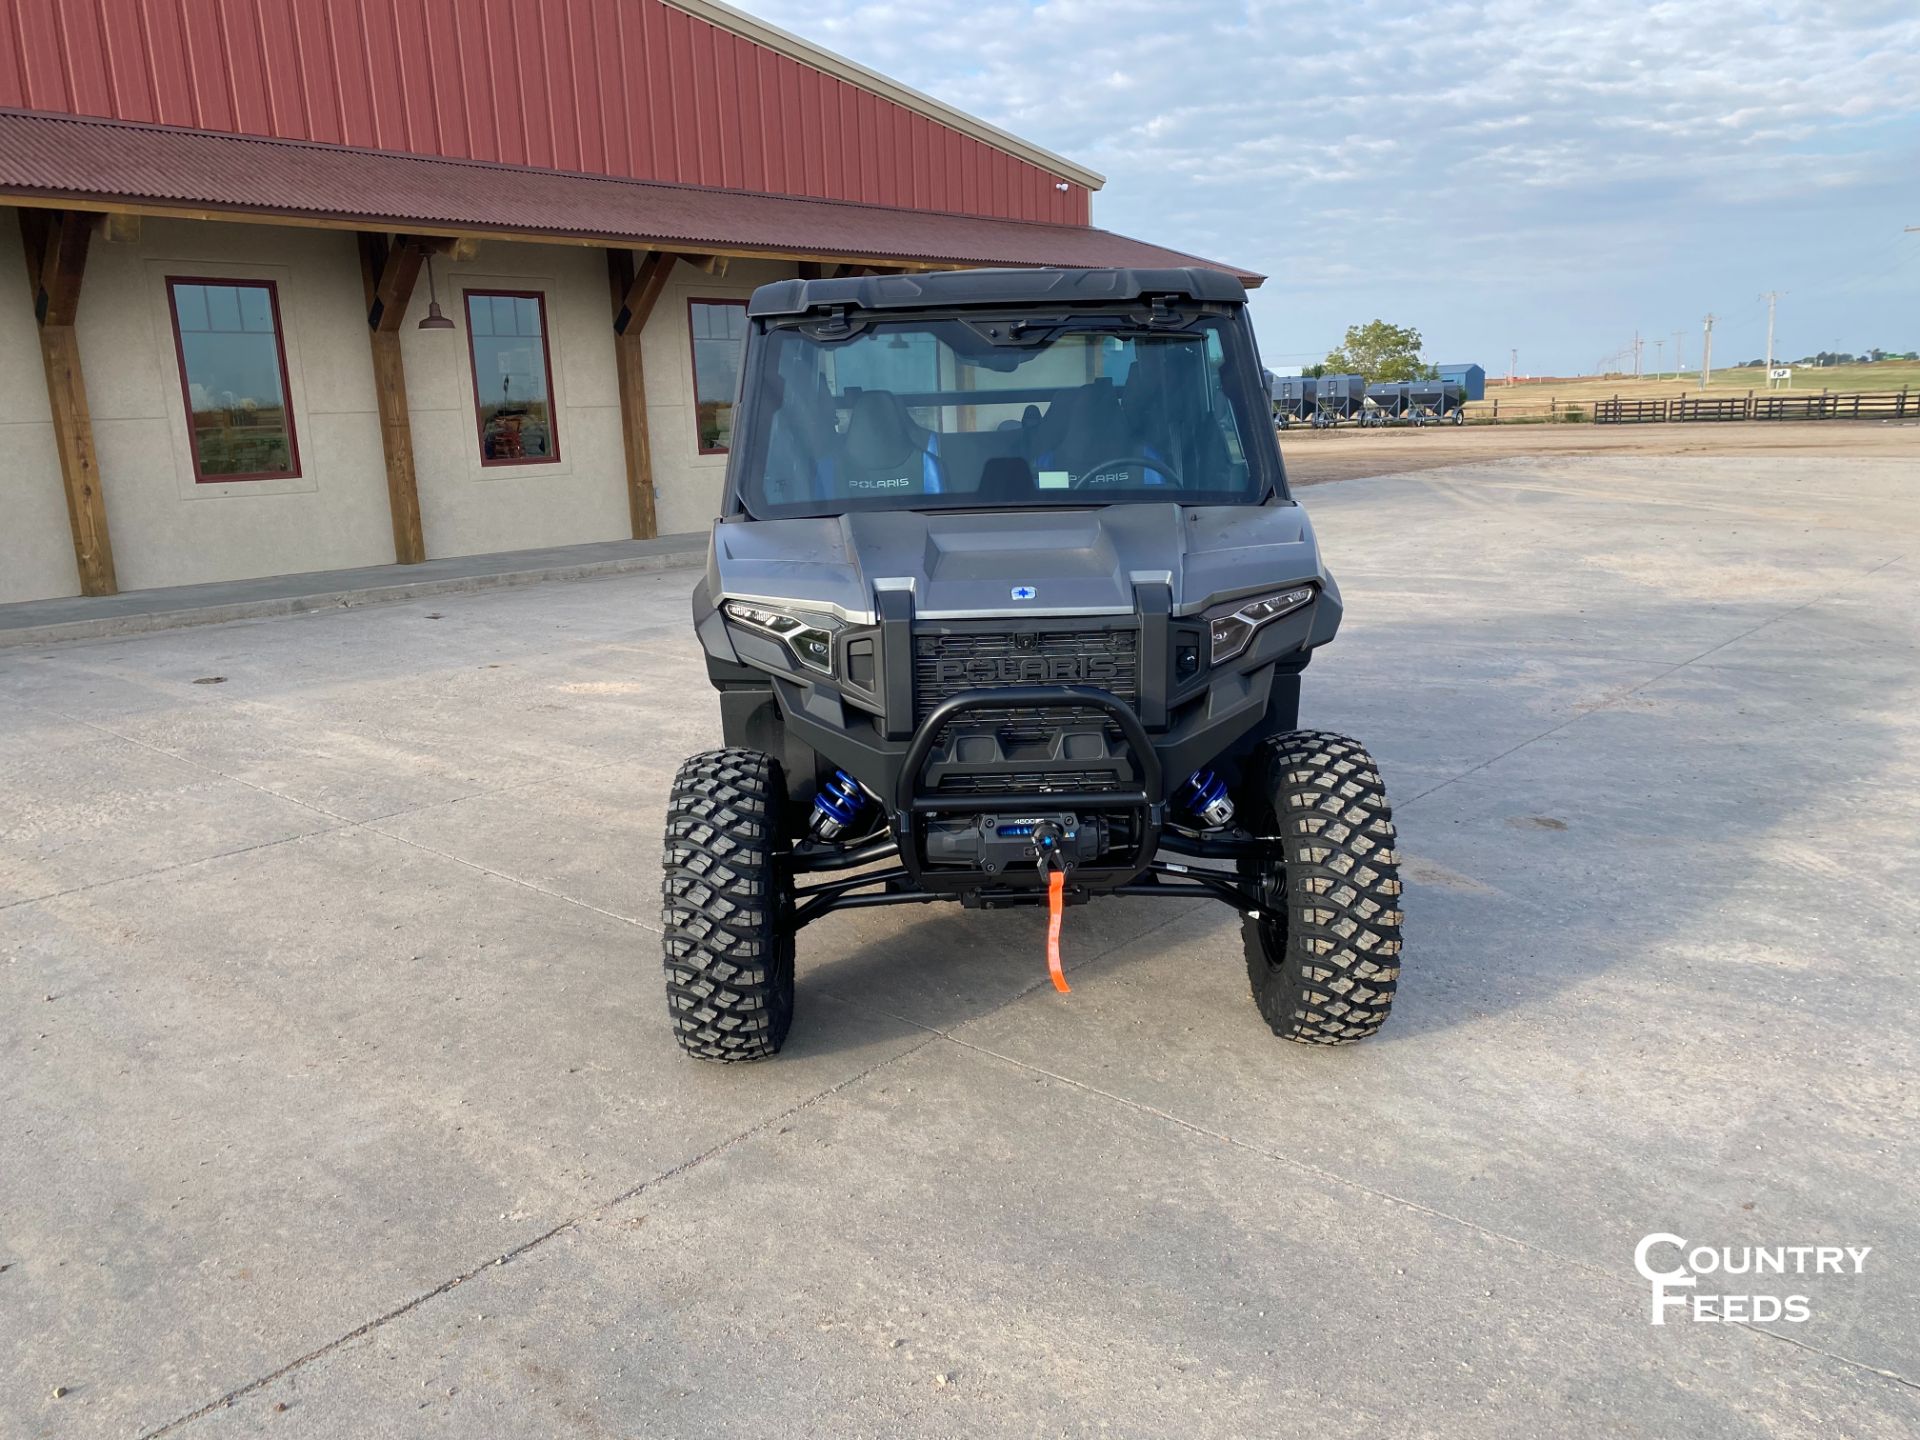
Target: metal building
<point>1471,379</point>
<point>315,287</point>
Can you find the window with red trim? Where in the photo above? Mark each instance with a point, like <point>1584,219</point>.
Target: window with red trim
<point>512,377</point>
<point>233,375</point>
<point>719,329</point>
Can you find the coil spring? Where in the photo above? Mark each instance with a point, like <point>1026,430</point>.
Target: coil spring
<point>836,806</point>
<point>1206,797</point>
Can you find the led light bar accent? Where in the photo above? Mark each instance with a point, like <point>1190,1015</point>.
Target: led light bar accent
<point>1233,633</point>
<point>810,641</point>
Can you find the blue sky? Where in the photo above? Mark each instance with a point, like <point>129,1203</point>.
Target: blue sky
<point>1540,176</point>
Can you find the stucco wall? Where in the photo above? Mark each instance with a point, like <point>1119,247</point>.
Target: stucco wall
<point>688,484</point>
<point>166,528</point>
<point>468,508</point>
<point>169,530</point>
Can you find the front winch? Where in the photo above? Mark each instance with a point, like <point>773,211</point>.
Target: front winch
<point>1000,844</point>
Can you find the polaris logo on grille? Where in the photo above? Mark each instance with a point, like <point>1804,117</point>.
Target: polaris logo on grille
<point>1024,592</point>
<point>1028,670</point>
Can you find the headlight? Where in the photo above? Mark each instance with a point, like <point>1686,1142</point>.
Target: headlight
<point>1232,633</point>
<point>810,639</point>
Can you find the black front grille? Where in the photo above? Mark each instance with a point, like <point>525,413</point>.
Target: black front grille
<point>1028,782</point>
<point>946,663</point>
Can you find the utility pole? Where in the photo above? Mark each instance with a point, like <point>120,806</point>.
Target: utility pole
<point>1636,354</point>
<point>1771,297</point>
<point>1513,364</point>
<point>1659,359</point>
<point>1679,351</point>
<point>1706,351</point>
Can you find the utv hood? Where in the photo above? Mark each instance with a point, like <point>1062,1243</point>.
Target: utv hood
<point>991,564</point>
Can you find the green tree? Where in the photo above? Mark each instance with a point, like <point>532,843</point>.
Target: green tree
<point>1380,351</point>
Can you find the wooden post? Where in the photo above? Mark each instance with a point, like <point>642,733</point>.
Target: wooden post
<point>635,290</point>
<point>388,271</point>
<point>56,252</point>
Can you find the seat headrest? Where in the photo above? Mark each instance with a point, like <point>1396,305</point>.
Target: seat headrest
<point>879,434</point>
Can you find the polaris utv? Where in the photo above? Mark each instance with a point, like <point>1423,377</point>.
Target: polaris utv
<point>1008,605</point>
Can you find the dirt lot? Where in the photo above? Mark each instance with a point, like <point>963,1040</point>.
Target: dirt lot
<point>1316,456</point>
<point>337,1100</point>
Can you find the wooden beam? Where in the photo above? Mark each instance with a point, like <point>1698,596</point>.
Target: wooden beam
<point>714,265</point>
<point>63,243</point>
<point>56,255</point>
<point>387,272</point>
<point>634,301</point>
<point>634,290</point>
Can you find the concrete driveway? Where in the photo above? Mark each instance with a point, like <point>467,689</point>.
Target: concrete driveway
<point>337,1098</point>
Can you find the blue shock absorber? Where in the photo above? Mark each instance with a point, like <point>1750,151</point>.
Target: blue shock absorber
<point>837,805</point>
<point>1206,797</point>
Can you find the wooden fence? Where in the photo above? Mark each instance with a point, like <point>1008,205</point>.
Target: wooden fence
<point>1504,411</point>
<point>1754,405</point>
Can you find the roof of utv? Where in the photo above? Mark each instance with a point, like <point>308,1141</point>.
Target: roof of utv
<point>945,288</point>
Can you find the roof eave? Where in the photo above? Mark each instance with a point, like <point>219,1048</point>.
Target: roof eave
<point>247,214</point>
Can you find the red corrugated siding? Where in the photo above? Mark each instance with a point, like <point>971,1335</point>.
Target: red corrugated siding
<point>618,87</point>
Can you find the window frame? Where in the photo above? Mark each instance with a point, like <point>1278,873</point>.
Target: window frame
<point>200,476</point>
<point>539,298</point>
<point>693,359</point>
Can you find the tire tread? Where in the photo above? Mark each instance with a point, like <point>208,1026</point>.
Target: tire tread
<point>1338,969</point>
<point>728,957</point>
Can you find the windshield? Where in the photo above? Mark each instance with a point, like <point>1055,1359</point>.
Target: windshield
<point>974,411</point>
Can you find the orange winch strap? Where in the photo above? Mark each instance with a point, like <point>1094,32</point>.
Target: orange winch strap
<point>1056,902</point>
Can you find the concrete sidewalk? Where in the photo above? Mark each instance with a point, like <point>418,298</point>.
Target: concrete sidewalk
<point>135,612</point>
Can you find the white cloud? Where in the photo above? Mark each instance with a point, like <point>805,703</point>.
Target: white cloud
<point>1535,174</point>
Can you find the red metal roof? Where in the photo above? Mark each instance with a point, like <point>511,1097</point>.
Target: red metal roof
<point>639,89</point>
<point>81,160</point>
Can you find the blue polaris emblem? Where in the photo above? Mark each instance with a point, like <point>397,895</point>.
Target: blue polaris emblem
<point>1023,592</point>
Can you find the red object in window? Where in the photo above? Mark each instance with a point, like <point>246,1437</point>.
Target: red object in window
<point>709,409</point>
<point>514,430</point>
<point>223,367</point>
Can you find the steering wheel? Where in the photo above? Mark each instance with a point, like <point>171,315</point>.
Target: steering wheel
<point>1093,473</point>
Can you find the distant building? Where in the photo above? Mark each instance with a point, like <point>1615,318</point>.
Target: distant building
<point>1472,378</point>
<point>252,191</point>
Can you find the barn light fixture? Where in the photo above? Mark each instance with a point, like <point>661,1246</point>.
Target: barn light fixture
<point>435,320</point>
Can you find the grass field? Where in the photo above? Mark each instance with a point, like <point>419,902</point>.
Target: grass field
<point>1886,375</point>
